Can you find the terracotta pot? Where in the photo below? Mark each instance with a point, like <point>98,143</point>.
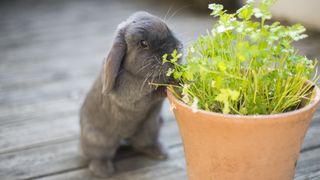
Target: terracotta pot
<point>234,147</point>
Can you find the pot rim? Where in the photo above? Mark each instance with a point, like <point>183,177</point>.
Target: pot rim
<point>314,102</point>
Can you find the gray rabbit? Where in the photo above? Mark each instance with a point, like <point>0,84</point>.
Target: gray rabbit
<point>121,105</point>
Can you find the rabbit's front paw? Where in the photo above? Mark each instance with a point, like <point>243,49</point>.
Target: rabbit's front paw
<point>155,151</point>
<point>101,168</point>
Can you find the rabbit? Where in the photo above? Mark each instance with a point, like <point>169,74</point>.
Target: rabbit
<point>121,105</point>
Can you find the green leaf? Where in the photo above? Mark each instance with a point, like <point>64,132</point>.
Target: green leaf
<point>234,95</point>
<point>263,11</point>
<point>174,53</point>
<point>226,108</point>
<point>188,75</point>
<point>216,9</point>
<point>170,71</point>
<point>164,58</point>
<point>246,12</point>
<point>222,66</point>
<point>177,74</point>
<point>223,95</point>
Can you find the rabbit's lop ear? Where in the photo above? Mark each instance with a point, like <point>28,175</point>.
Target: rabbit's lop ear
<point>113,61</point>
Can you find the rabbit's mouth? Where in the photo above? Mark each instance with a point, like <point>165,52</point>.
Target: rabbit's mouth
<point>160,74</point>
<point>156,71</point>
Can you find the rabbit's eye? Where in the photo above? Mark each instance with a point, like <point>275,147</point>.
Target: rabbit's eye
<point>144,44</point>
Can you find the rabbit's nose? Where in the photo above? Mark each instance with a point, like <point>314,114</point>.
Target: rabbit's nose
<point>168,65</point>
<point>169,57</point>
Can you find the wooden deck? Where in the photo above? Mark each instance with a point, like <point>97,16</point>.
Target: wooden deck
<point>50,53</point>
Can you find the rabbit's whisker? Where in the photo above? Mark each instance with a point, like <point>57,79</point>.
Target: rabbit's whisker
<point>158,60</point>
<point>178,10</point>
<point>187,42</point>
<point>159,74</point>
<point>153,70</point>
<point>182,33</point>
<point>144,66</point>
<point>149,62</point>
<point>145,80</point>
<point>168,11</point>
<point>165,77</point>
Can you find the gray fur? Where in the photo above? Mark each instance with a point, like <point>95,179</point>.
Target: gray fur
<point>121,105</point>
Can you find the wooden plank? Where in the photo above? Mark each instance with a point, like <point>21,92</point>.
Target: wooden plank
<point>312,138</point>
<point>41,76</point>
<point>310,176</point>
<point>60,118</point>
<point>308,165</point>
<point>46,68</point>
<point>45,92</point>
<point>170,169</point>
<point>65,156</point>
<point>43,131</point>
<point>19,136</point>
<point>52,108</point>
<point>38,161</point>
